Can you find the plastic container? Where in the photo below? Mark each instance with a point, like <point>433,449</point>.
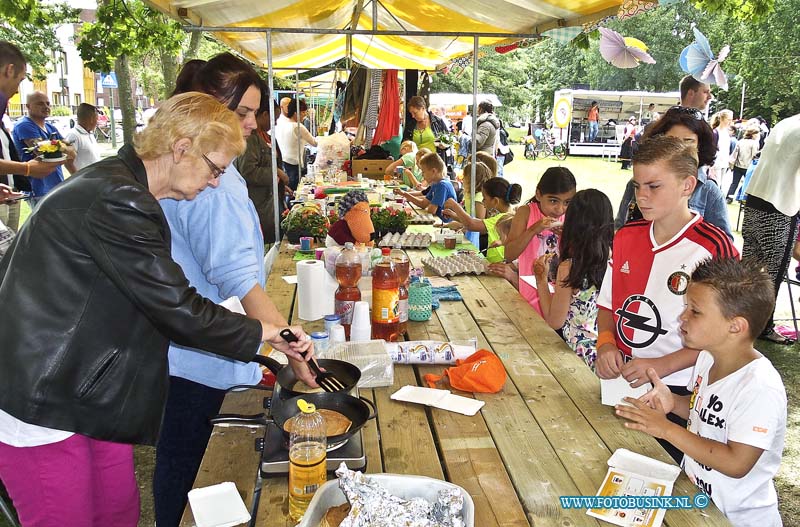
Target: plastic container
<point>385,299</point>
<point>369,356</point>
<point>407,487</point>
<point>420,298</point>
<point>320,341</point>
<point>307,458</point>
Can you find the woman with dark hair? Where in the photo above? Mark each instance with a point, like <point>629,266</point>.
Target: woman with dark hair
<point>217,240</point>
<point>186,77</point>
<point>292,138</point>
<point>688,124</point>
<point>424,129</point>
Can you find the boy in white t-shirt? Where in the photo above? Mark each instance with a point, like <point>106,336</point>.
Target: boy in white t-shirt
<point>737,410</point>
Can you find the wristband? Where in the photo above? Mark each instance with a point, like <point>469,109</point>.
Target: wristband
<point>27,168</point>
<point>606,337</point>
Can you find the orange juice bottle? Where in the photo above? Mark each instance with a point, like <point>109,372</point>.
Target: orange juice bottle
<point>402,267</point>
<point>385,299</point>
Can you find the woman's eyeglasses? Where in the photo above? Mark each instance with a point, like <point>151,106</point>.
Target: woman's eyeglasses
<point>216,171</point>
<point>694,112</point>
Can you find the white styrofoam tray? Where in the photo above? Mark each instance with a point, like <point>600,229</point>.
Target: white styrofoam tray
<point>329,495</point>
<point>218,506</point>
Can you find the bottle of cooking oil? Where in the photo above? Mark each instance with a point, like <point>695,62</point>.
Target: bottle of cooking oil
<point>307,458</point>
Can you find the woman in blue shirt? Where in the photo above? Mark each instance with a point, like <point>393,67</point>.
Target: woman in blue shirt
<point>217,240</point>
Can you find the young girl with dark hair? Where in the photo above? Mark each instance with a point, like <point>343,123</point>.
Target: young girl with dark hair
<point>585,249</point>
<point>498,197</point>
<point>536,226</point>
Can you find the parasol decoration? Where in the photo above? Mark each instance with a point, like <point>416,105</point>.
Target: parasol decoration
<point>623,52</point>
<point>698,60</point>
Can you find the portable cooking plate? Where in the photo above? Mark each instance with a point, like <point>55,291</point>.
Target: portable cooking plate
<point>274,445</point>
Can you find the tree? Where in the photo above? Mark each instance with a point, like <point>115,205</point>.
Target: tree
<point>30,25</point>
<point>765,54</point>
<point>125,29</point>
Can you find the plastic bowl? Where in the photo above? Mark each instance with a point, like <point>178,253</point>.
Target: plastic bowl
<point>329,495</point>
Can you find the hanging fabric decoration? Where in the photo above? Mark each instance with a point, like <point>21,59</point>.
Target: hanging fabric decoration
<point>698,60</point>
<point>371,114</point>
<point>623,52</point>
<point>600,22</point>
<point>389,116</point>
<point>631,8</point>
<point>563,35</point>
<point>505,49</point>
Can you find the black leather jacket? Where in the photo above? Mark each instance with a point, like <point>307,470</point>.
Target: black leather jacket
<point>90,298</point>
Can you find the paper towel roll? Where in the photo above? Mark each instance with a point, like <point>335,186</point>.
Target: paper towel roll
<point>311,281</point>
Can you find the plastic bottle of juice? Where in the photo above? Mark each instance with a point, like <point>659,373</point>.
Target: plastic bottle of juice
<point>385,299</point>
<point>348,272</point>
<point>402,267</point>
<point>307,458</point>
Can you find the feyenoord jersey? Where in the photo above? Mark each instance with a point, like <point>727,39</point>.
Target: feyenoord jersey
<point>645,284</point>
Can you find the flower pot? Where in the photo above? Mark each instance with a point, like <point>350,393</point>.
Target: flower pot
<point>294,236</point>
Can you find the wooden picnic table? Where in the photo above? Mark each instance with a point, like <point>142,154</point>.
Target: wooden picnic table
<point>544,435</point>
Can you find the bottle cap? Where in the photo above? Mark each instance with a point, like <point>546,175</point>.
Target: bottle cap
<point>306,408</point>
<point>385,251</point>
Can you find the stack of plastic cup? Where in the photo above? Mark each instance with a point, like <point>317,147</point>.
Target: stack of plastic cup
<point>336,335</point>
<point>361,328</point>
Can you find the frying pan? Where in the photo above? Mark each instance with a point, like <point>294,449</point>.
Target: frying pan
<point>347,373</point>
<point>358,409</point>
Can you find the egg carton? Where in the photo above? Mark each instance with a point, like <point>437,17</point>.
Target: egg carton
<point>456,264</point>
<point>423,218</point>
<point>407,240</point>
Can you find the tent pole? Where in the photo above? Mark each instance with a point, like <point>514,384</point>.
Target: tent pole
<point>473,156</point>
<point>276,199</point>
<point>300,149</point>
<point>374,15</point>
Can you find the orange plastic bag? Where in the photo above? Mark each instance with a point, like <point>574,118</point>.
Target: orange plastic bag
<point>480,372</point>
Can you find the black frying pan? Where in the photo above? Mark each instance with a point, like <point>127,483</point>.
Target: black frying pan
<point>347,373</point>
<point>358,409</point>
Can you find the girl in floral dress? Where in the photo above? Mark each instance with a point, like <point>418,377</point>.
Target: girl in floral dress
<point>571,309</point>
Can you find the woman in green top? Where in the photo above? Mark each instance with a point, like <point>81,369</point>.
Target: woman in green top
<point>424,128</point>
<point>498,197</point>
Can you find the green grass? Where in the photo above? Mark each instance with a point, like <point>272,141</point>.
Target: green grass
<point>606,176</point>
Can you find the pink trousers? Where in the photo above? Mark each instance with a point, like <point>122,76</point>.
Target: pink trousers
<point>78,482</point>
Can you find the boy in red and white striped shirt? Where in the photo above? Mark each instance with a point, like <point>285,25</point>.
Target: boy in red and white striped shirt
<point>643,290</point>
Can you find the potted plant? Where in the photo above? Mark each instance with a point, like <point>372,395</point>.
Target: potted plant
<point>386,220</point>
<point>305,220</point>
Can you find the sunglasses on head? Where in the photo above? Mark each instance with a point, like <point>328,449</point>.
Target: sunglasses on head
<point>694,112</point>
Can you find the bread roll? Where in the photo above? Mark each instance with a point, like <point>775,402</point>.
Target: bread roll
<point>335,516</point>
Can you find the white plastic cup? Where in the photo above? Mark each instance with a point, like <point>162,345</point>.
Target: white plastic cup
<point>336,334</point>
<point>361,314</point>
<point>360,333</point>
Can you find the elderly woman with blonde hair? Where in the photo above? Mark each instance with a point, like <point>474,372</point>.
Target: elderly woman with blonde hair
<point>90,298</point>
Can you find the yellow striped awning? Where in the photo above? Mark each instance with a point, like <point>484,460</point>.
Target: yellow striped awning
<point>395,51</point>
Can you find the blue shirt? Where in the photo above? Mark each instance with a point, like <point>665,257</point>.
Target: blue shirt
<point>439,193</point>
<point>27,129</point>
<point>217,241</point>
<point>708,200</point>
